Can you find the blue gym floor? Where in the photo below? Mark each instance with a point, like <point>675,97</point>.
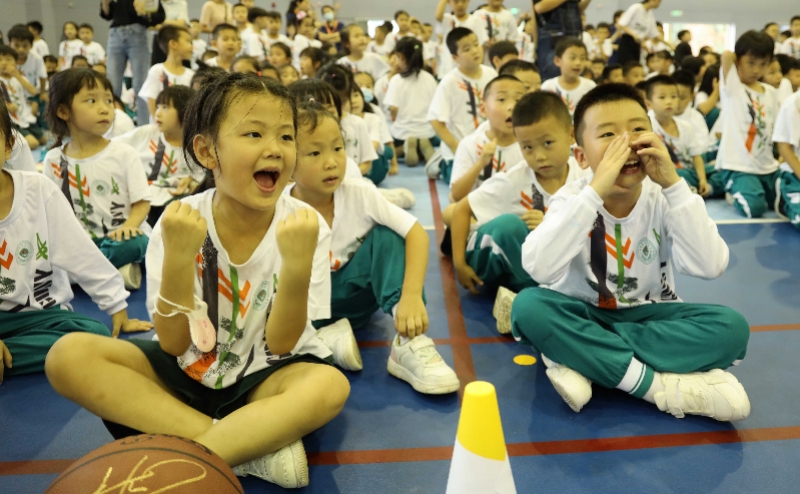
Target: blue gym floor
<point>390,439</point>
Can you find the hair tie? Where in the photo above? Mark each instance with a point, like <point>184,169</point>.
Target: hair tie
<point>311,100</point>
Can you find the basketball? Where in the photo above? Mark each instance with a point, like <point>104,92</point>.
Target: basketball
<point>148,463</point>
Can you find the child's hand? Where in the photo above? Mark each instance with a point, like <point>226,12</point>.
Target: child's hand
<point>12,108</point>
<point>487,153</point>
<point>411,318</point>
<point>468,278</point>
<point>125,232</point>
<point>533,218</point>
<point>297,236</point>
<point>183,230</point>
<point>120,321</point>
<point>5,357</point>
<point>608,170</point>
<point>393,168</point>
<point>702,188</point>
<point>655,157</point>
<point>183,187</point>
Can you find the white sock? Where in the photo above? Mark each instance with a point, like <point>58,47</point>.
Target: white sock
<point>402,340</point>
<point>394,312</point>
<point>655,387</point>
<point>214,421</point>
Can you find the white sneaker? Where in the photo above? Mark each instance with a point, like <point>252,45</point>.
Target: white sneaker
<point>779,202</point>
<point>729,198</point>
<point>418,363</point>
<point>502,309</point>
<point>575,389</point>
<point>433,164</point>
<point>131,275</point>
<point>339,338</point>
<point>716,394</point>
<point>402,198</point>
<point>287,467</point>
<point>410,150</point>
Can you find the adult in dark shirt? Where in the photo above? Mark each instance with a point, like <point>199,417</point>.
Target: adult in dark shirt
<point>127,41</point>
<point>555,20</point>
<point>329,31</point>
<point>683,49</point>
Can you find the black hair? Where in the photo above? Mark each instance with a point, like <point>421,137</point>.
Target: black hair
<point>785,61</point>
<point>757,44</point>
<point>316,55</point>
<point>568,42</point>
<point>340,79</point>
<point>649,57</point>
<point>642,86</point>
<point>601,25</point>
<point>205,73</point>
<point>274,15</point>
<point>344,36</point>
<point>605,93</point>
<point>50,58</point>
<point>7,51</point>
<point>20,32</point>
<point>683,33</point>
<point>588,27</point>
<point>786,34</point>
<point>618,14</point>
<point>210,105</point>
<point>74,24</point>
<point>223,27</point>
<point>399,13</point>
<point>767,25</point>
<point>538,105</point>
<point>794,18</point>
<point>411,50</point>
<point>488,89</point>
<point>178,97</point>
<point>86,26</point>
<point>320,91</point>
<point>707,84</point>
<point>502,49</point>
<point>456,35</point>
<point>245,58</point>
<point>367,74</point>
<point>240,4</point>
<point>513,66</point>
<point>282,47</point>
<point>629,66</point>
<point>36,26</point>
<point>659,80</point>
<point>6,127</point>
<point>365,107</point>
<point>608,69</point>
<point>684,78</point>
<point>663,55</point>
<point>78,58</point>
<point>265,65</point>
<point>63,88</point>
<point>169,33</point>
<point>693,64</point>
<point>255,13</point>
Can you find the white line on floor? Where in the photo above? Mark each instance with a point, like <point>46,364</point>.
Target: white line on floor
<point>746,221</point>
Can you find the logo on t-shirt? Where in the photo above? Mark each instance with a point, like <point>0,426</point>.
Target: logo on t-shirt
<point>24,252</point>
<point>647,251</point>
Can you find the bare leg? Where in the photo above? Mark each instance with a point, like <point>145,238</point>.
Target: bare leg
<point>447,214</point>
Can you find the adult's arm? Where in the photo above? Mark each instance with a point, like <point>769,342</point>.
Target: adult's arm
<point>546,6</point>
<point>106,10</point>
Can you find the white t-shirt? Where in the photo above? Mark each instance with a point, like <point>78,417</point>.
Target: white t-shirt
<point>122,124</point>
<point>470,150</point>
<point>377,130</point>
<point>499,26</point>
<point>787,126</point>
<point>569,96</point>
<point>791,47</point>
<point>15,93</point>
<point>40,249</point>
<point>412,96</point>
<point>67,50</point>
<point>784,90</point>
<point>212,62</point>
<point>34,69</point>
<point>457,103</point>
<point>41,48</point>
<point>515,192</point>
<point>352,170</point>
<point>429,50</point>
<point>93,52</point>
<point>370,63</point>
<point>357,142</point>
<point>300,44</point>
<point>664,230</point>
<point>747,124</point>
<point>380,50</point>
<point>102,187</point>
<point>445,62</point>
<point>698,123</point>
<point>683,147</point>
<point>148,142</point>
<point>526,48</point>
<point>21,157</point>
<point>256,45</point>
<point>641,21</point>
<point>592,50</point>
<point>241,347</point>
<point>159,79</point>
<point>358,207</point>
<point>199,46</point>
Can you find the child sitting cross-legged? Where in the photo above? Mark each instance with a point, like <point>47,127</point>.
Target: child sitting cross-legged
<point>378,257</point>
<point>509,205</point>
<point>606,310</point>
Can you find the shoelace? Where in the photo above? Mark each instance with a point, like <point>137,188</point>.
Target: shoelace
<point>429,355</point>
<point>687,399</point>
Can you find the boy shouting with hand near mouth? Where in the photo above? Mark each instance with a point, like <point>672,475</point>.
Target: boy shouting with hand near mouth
<point>603,257</point>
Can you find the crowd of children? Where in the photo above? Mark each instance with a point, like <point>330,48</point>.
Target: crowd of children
<point>576,198</point>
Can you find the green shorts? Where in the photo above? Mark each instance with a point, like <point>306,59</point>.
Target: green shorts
<point>32,130</point>
<point>216,403</point>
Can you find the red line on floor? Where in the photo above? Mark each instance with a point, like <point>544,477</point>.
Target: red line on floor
<point>775,327</point>
<point>462,355</point>
<point>577,446</point>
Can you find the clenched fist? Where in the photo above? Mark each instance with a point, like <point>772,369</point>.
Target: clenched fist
<point>183,230</point>
<point>297,236</point>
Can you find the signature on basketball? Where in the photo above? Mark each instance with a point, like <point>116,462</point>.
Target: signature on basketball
<point>129,483</point>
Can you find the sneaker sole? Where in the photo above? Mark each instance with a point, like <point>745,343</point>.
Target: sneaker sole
<point>404,374</point>
<point>566,396</point>
<point>351,355</point>
<point>502,311</point>
<point>734,382</point>
<point>301,473</point>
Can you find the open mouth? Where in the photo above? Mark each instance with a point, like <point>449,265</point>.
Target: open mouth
<point>267,180</point>
<point>631,167</point>
<point>330,180</point>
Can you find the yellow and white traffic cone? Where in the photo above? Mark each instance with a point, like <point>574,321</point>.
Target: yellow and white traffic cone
<point>480,461</point>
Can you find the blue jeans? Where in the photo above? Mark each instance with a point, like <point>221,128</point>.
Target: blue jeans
<point>129,43</point>
<point>564,20</point>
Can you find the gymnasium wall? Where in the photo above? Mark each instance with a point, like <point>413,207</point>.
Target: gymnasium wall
<point>744,13</point>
